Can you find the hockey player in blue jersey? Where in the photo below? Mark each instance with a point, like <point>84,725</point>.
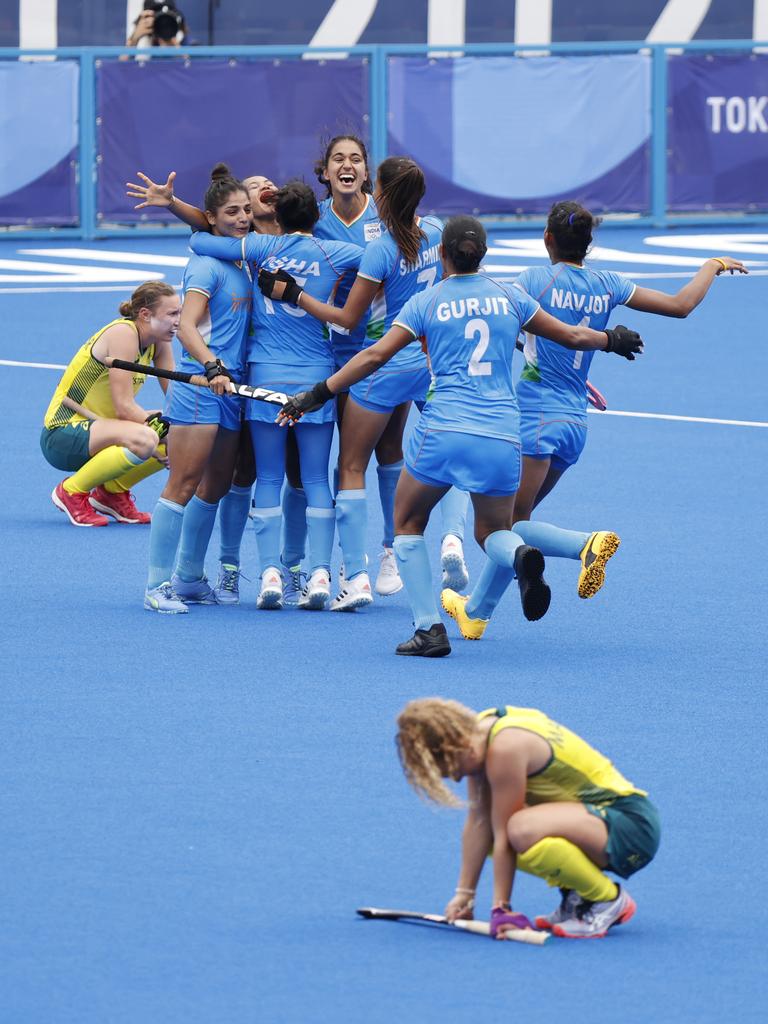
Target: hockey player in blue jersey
<point>468,432</point>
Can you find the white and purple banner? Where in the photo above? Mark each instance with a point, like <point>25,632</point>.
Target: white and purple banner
<point>718,132</point>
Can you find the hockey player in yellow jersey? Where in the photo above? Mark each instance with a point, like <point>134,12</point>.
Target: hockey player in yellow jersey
<point>543,800</point>
<point>95,429</point>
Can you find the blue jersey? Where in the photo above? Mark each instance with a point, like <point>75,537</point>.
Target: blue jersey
<point>384,264</point>
<point>555,378</point>
<point>226,324</point>
<point>470,323</point>
<point>365,228</point>
<point>285,335</point>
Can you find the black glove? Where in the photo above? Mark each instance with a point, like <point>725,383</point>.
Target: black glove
<point>624,342</point>
<point>159,424</point>
<point>307,401</point>
<point>215,368</point>
<point>268,279</point>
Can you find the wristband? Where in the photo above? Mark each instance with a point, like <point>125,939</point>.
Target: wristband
<point>722,262</point>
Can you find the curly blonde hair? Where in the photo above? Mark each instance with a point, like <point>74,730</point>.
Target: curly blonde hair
<point>433,733</point>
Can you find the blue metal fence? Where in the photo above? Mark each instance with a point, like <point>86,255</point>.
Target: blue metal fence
<point>658,215</point>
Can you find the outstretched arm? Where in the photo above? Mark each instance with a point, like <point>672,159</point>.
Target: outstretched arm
<point>222,248</point>
<point>476,841</point>
<point>649,300</point>
<point>620,340</point>
<point>360,297</point>
<point>153,194</point>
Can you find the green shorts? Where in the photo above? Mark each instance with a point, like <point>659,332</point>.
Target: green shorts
<point>66,448</point>
<point>634,832</point>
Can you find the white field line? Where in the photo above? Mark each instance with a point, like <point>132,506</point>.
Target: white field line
<point>606,412</point>
<point>95,288</point>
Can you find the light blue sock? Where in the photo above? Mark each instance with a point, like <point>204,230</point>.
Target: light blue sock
<point>233,518</point>
<point>352,523</point>
<point>453,511</point>
<point>196,530</point>
<point>551,540</point>
<point>413,563</point>
<point>266,523</point>
<point>164,534</point>
<point>294,538</point>
<point>498,572</point>
<point>388,477</point>
<point>321,527</point>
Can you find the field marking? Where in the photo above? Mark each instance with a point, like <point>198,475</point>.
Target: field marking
<point>110,256</point>
<point>79,288</point>
<point>682,419</point>
<point>605,412</point>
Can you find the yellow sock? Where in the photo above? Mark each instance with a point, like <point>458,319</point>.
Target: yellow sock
<point>128,480</point>
<point>108,464</point>
<point>560,862</point>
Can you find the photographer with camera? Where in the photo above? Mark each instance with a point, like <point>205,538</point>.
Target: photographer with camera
<point>159,24</point>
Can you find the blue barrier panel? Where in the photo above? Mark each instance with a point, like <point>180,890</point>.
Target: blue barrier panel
<point>718,132</point>
<point>259,116</point>
<point>500,135</point>
<point>39,132</point>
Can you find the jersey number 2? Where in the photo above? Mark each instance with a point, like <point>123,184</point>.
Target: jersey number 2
<point>478,329</point>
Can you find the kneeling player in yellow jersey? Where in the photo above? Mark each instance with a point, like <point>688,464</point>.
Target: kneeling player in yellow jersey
<point>543,799</point>
<point>93,427</point>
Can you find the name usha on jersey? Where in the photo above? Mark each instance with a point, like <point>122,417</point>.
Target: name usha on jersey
<point>293,266</point>
<point>459,309</point>
<point>428,258</point>
<point>560,298</point>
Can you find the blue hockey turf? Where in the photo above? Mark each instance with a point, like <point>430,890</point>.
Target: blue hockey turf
<point>193,807</point>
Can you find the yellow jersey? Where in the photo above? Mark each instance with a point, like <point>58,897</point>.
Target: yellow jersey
<point>575,772</point>
<point>86,381</point>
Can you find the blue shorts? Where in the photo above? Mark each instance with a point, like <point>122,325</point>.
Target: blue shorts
<point>344,347</point>
<point>290,380</point>
<point>471,462</point>
<point>186,404</point>
<point>389,387</point>
<point>552,435</point>
<point>67,448</point>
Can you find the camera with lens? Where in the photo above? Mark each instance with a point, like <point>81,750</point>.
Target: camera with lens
<point>169,21</point>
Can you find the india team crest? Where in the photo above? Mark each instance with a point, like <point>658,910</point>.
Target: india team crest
<point>373,231</point>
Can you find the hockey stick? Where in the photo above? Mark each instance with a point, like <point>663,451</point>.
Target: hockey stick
<point>527,935</point>
<point>199,381</point>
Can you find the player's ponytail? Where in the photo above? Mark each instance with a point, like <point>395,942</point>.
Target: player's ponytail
<point>223,184</point>
<point>146,296</point>
<point>296,207</point>
<point>465,243</point>
<point>571,225</point>
<point>400,189</point>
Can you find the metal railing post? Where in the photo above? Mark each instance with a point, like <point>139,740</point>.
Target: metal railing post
<point>87,145</point>
<point>659,135</point>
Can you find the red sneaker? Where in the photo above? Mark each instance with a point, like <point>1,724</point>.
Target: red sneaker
<point>120,505</point>
<point>77,508</point>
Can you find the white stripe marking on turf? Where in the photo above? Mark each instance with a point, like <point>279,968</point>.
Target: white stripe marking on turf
<point>605,412</point>
<point>682,419</point>
<point>36,366</point>
<point>110,256</point>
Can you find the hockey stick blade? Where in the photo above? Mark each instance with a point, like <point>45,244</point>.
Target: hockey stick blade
<point>525,935</point>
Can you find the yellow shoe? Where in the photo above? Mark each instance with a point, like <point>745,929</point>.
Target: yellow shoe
<point>470,629</point>
<point>599,548</point>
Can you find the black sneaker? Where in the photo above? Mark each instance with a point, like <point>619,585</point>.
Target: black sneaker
<point>535,594</point>
<point>426,643</point>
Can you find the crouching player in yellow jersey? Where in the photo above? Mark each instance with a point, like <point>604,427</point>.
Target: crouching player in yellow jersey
<point>545,802</point>
<point>94,428</point>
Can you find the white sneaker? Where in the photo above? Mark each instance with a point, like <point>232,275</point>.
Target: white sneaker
<point>355,594</point>
<point>388,581</point>
<point>569,900</point>
<point>455,575</point>
<point>271,593</point>
<point>317,593</point>
<point>592,920</point>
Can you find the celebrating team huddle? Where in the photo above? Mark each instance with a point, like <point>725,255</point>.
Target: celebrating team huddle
<point>355,309</point>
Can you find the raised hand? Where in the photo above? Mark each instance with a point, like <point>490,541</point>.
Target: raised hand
<point>729,265</point>
<point>150,192</point>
